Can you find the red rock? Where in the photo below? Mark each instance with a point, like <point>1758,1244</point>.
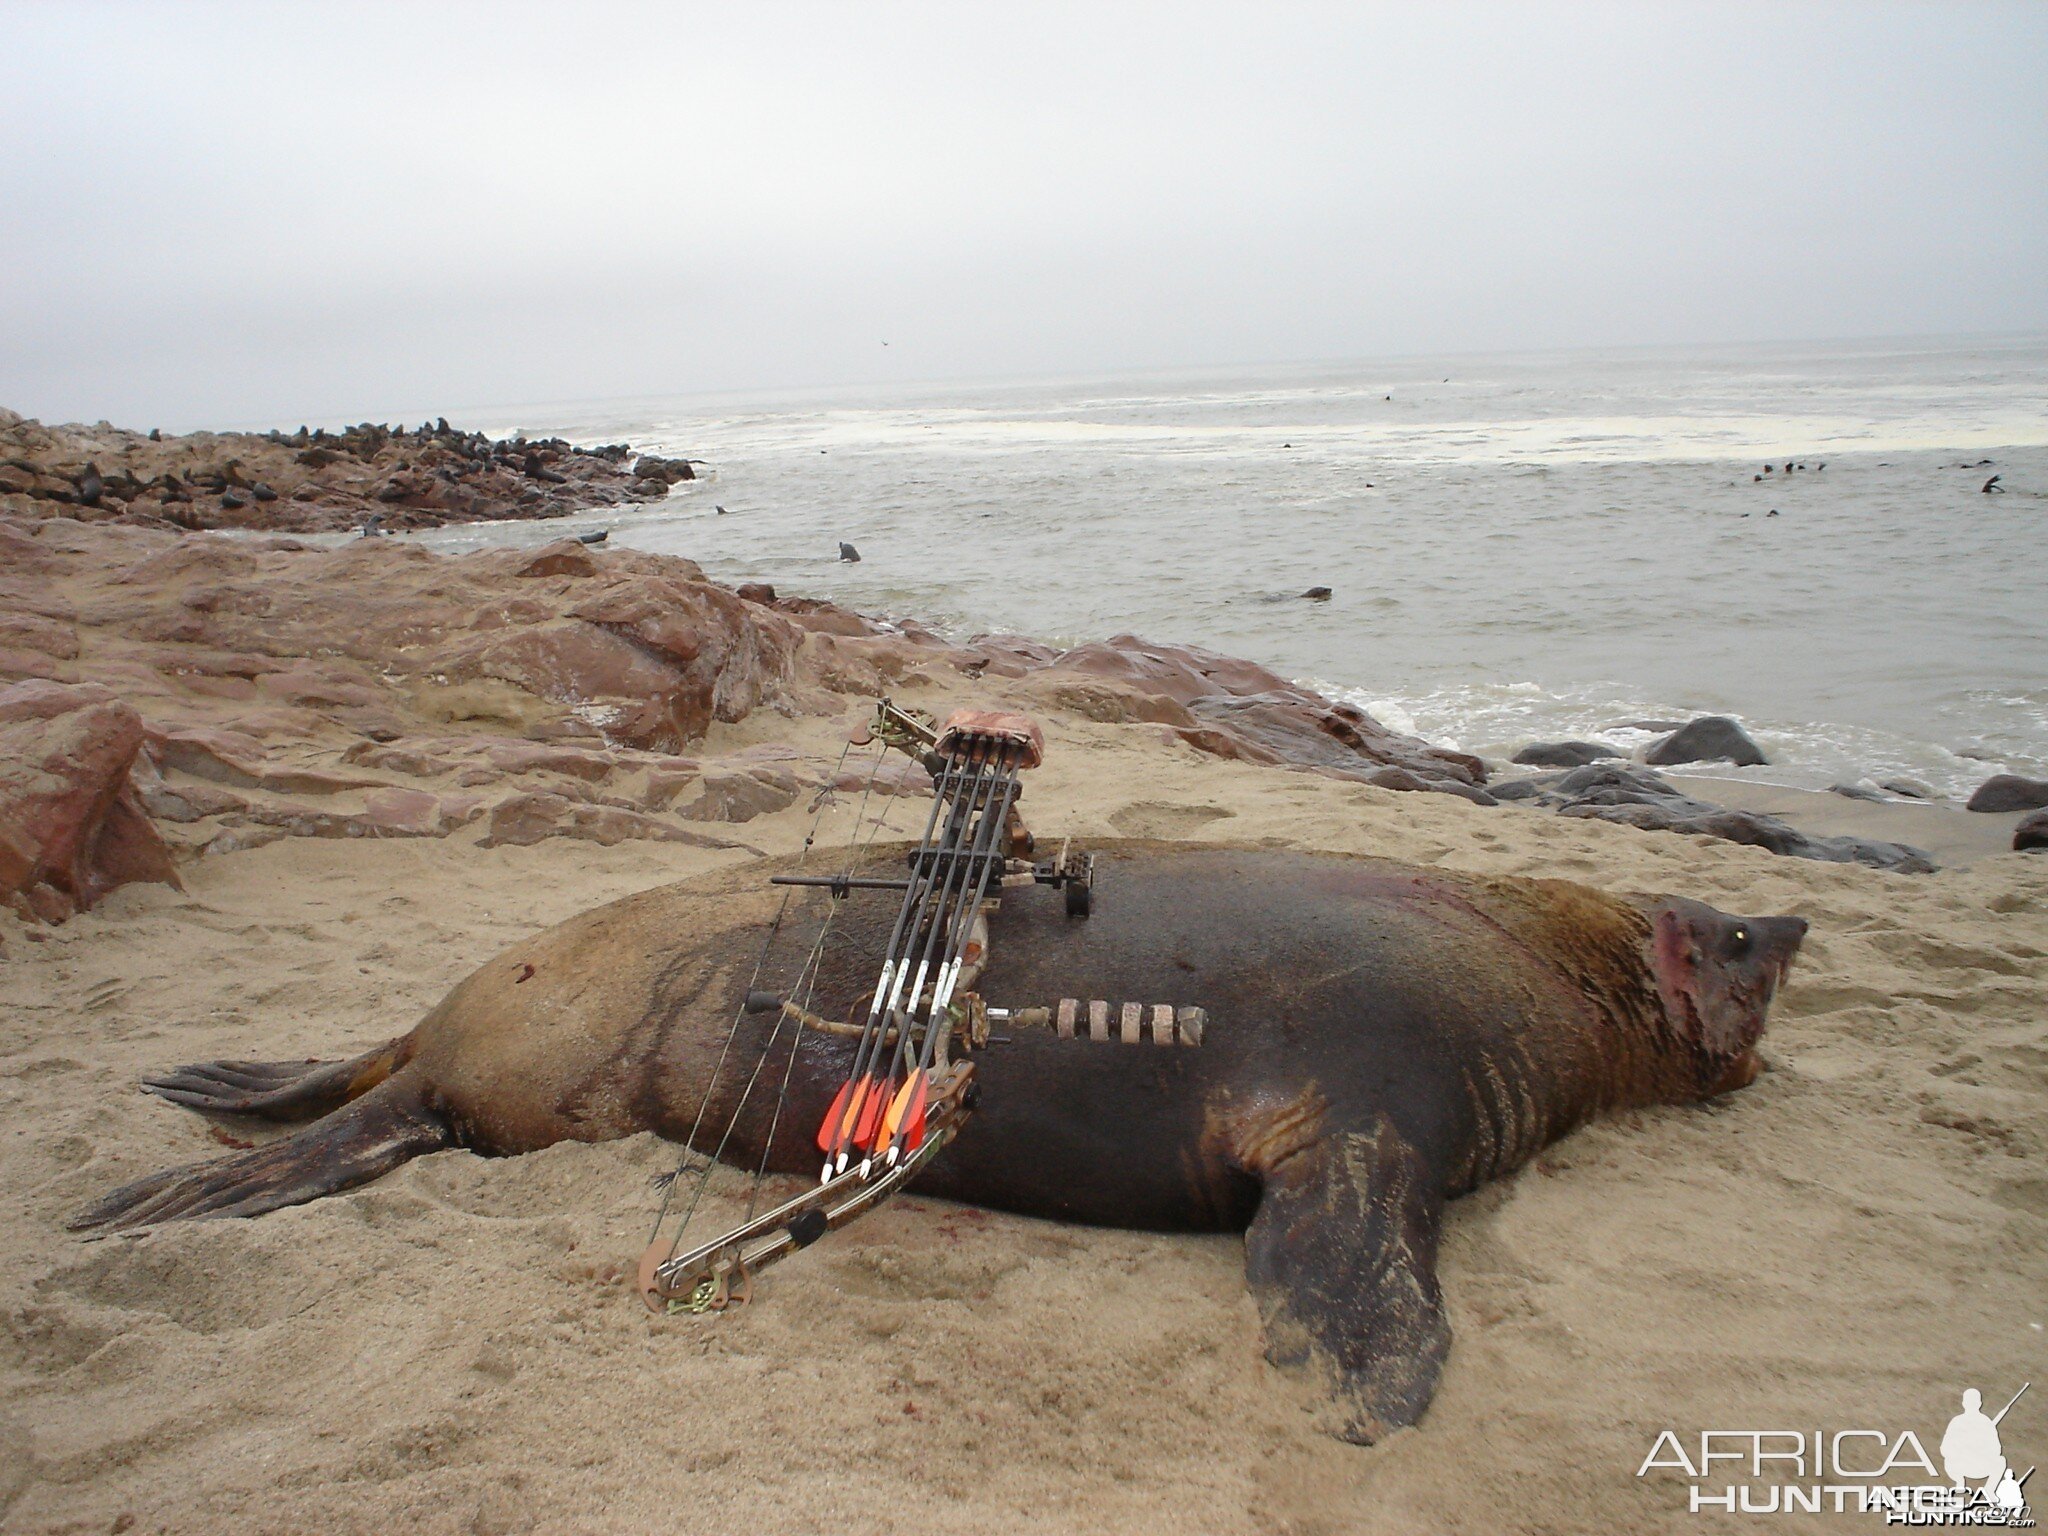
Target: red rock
<point>1011,655</point>
<point>414,813</point>
<point>742,795</point>
<point>893,776</point>
<point>819,617</point>
<point>667,780</point>
<point>389,758</point>
<point>15,665</point>
<point>1309,731</point>
<point>512,613</point>
<point>217,558</point>
<point>33,632</point>
<point>388,813</point>
<point>729,656</point>
<point>529,757</point>
<point>1183,673</point>
<point>568,662</point>
<point>71,826</point>
<point>564,557</point>
<point>237,760</point>
<point>1112,703</point>
<point>524,819</point>
<point>186,803</point>
<point>1229,744</point>
<point>21,554</point>
<point>322,687</point>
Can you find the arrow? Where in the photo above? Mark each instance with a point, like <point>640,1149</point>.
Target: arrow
<point>843,1120</point>
<point>904,1127</point>
<point>938,929</point>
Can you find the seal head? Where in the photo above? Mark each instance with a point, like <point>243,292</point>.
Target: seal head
<point>1716,976</point>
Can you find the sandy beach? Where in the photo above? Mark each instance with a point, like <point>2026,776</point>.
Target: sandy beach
<point>455,1349</point>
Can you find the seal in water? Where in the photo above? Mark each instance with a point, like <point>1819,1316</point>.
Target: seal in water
<point>1380,1038</point>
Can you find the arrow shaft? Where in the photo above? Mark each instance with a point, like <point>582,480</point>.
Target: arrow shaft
<point>937,866</point>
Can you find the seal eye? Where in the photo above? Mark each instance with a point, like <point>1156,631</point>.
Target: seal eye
<point>1740,938</point>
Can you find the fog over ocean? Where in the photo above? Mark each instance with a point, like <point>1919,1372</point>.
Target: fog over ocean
<point>1520,547</point>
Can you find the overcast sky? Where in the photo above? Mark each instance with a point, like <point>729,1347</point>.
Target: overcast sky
<point>218,214</point>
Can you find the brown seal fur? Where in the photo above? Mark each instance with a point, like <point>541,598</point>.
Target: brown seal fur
<point>1381,1038</point>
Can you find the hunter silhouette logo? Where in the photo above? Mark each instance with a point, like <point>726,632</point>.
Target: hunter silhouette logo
<point>1876,1471</point>
<point>1971,1452</point>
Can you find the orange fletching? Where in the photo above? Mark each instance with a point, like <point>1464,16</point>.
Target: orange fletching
<point>907,1107</point>
<point>871,1114</point>
<point>846,1104</point>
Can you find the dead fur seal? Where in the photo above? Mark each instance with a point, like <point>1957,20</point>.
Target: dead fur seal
<point>1380,1038</point>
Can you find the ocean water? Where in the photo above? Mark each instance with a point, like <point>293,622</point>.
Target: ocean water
<point>1520,548</point>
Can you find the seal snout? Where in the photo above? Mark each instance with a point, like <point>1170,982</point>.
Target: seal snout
<point>1775,942</point>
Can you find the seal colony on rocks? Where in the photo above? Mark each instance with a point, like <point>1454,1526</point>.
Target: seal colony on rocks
<point>1380,1038</point>
<point>315,481</point>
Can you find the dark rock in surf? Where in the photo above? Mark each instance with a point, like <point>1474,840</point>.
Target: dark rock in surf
<point>1317,595</point>
<point>1710,738</point>
<point>2009,792</point>
<point>1564,754</point>
<point>2031,835</point>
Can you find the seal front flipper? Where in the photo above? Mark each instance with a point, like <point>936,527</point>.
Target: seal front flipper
<point>1341,1258</point>
<point>390,1125</point>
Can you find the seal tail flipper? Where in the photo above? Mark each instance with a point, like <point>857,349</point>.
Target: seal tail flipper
<point>1341,1258</point>
<point>277,1090</point>
<point>386,1127</point>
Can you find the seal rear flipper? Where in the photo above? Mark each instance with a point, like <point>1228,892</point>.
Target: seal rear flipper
<point>277,1090</point>
<point>1341,1258</point>
<point>386,1127</point>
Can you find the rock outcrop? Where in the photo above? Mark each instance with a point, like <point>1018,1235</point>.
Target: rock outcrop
<point>1238,709</point>
<point>1636,797</point>
<point>312,482</point>
<point>72,826</point>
